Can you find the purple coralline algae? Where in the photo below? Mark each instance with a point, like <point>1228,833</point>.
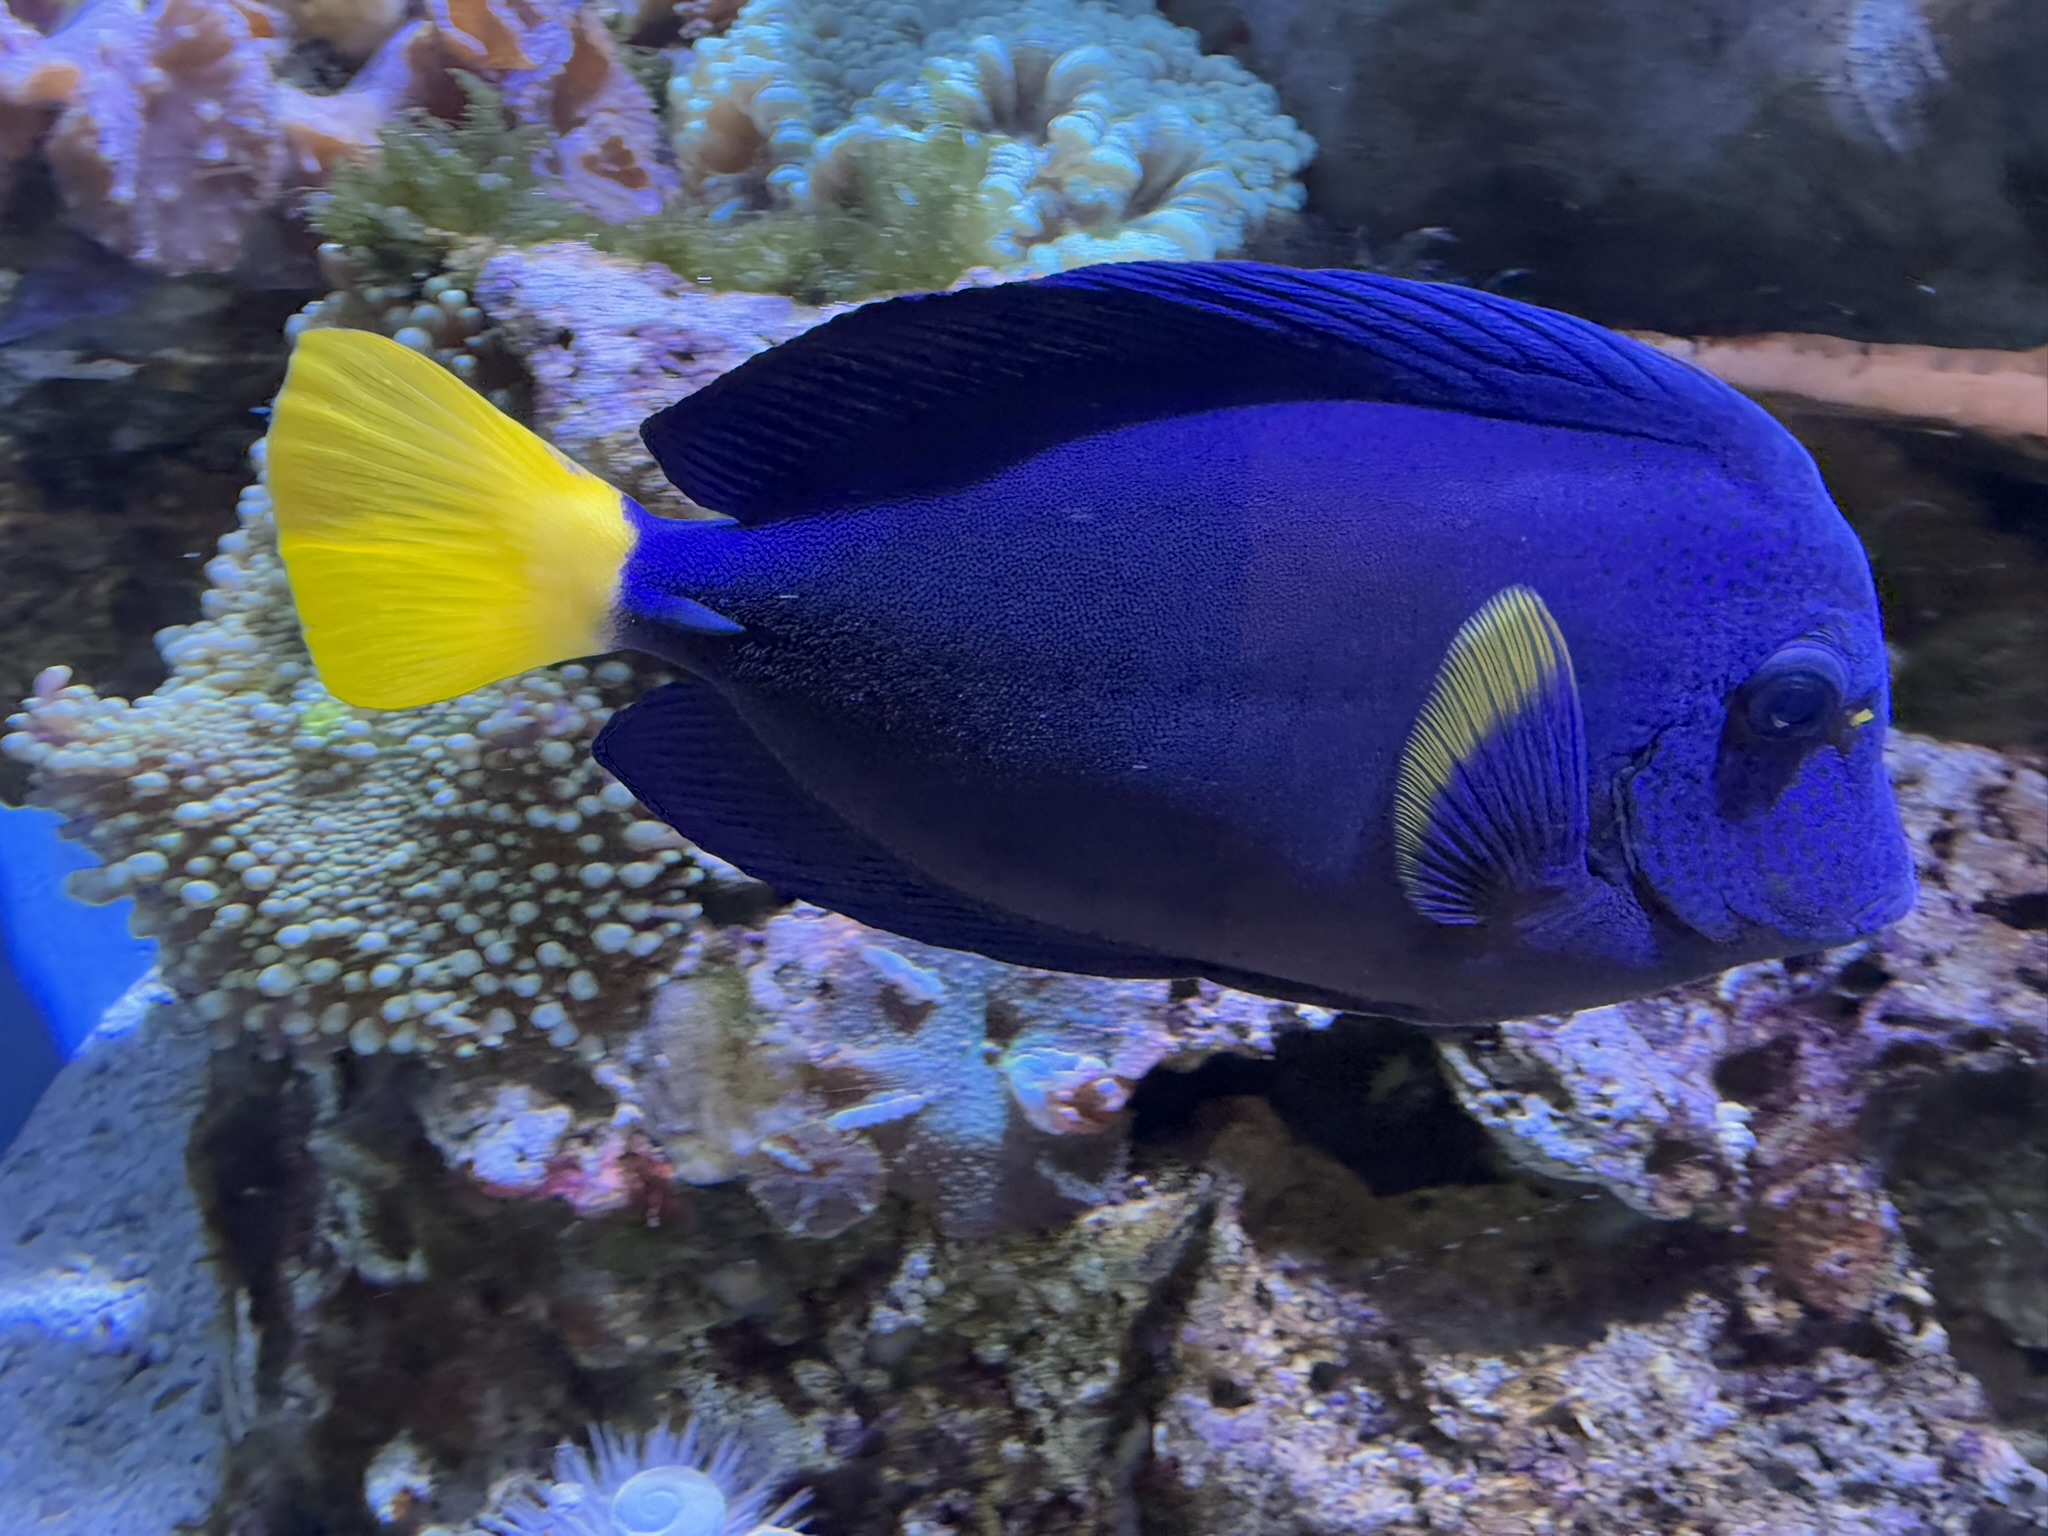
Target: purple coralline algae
<point>1486,1362</point>
<point>608,342</point>
<point>824,1063</point>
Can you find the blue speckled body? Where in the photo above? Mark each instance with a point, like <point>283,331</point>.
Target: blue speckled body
<point>1151,686</point>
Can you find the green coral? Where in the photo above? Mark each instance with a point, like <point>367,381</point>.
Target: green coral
<point>910,219</point>
<point>444,194</point>
<point>438,187</point>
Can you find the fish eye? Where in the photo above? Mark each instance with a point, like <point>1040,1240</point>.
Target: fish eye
<point>1796,695</point>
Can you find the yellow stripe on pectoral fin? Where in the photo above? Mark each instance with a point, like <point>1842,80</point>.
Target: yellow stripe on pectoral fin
<point>433,543</point>
<point>1490,800</point>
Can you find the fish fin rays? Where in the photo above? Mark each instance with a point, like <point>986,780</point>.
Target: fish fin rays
<point>692,760</point>
<point>916,396</point>
<point>1490,810</point>
<point>433,544</point>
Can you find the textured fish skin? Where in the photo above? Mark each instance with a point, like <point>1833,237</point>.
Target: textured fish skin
<point>1150,685</point>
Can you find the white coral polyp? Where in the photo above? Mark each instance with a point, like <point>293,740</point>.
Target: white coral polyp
<point>666,1483</point>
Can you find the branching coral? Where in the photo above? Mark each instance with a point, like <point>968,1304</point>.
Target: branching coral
<point>1110,134</point>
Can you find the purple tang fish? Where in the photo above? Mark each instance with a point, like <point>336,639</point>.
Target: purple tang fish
<point>1386,645</point>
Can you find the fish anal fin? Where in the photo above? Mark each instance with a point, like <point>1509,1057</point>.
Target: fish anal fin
<point>1490,811</point>
<point>692,759</point>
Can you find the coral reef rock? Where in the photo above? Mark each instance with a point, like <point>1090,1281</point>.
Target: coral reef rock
<point>967,1247</point>
<point>1742,1101</point>
<point>608,342</point>
<point>1350,1365</point>
<point>523,1102</point>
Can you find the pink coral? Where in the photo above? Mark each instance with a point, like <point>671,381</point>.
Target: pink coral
<point>169,151</point>
<point>171,136</point>
<point>168,132</point>
<point>606,155</point>
<point>560,68</point>
<point>322,131</point>
<point>39,75</point>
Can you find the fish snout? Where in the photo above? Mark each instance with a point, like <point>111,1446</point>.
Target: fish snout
<point>1887,909</point>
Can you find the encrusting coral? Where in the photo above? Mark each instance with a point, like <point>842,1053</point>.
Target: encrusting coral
<point>172,128</point>
<point>562,73</point>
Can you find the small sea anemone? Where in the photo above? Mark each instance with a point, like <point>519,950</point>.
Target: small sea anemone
<point>666,1483</point>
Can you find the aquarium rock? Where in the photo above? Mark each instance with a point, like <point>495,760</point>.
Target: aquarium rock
<point>2002,394</point>
<point>823,1061</point>
<point>1487,1363</point>
<point>116,1358</point>
<point>1738,1101</point>
<point>1112,134</point>
<point>1687,1281</point>
<point>523,1102</point>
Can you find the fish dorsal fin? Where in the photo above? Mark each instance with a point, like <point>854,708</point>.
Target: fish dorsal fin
<point>916,396</point>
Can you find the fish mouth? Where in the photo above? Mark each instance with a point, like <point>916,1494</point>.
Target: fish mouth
<point>1887,909</point>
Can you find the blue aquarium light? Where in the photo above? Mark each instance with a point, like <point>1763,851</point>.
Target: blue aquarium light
<point>62,963</point>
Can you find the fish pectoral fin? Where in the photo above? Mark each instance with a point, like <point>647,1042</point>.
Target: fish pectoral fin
<point>433,543</point>
<point>692,759</point>
<point>1490,815</point>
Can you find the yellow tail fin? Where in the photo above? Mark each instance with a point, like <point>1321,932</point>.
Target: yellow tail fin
<point>434,544</point>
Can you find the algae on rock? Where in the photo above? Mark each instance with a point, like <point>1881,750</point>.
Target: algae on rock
<point>444,195</point>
